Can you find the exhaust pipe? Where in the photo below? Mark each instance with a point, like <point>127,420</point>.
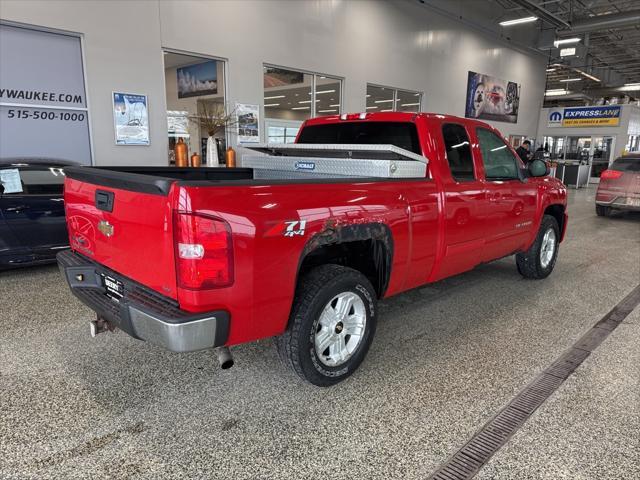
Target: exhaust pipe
<point>225,359</point>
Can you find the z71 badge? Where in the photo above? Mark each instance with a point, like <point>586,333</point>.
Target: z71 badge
<point>295,228</point>
<point>289,228</point>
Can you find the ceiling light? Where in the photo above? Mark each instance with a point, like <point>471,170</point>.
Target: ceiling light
<point>324,91</point>
<point>517,21</point>
<point>630,87</point>
<point>371,108</point>
<point>636,84</point>
<point>274,97</point>
<point>271,104</point>
<point>570,80</point>
<point>556,92</point>
<point>368,95</point>
<point>326,111</point>
<point>409,104</point>
<point>384,101</point>
<point>549,70</point>
<point>300,108</point>
<point>335,105</point>
<point>565,41</point>
<point>387,110</point>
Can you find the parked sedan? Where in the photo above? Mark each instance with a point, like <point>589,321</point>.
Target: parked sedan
<point>32,221</point>
<point>619,187</point>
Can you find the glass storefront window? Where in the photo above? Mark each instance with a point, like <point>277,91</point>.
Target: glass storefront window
<point>380,99</point>
<point>194,88</point>
<point>386,99</point>
<point>287,94</point>
<point>408,101</point>
<point>328,95</point>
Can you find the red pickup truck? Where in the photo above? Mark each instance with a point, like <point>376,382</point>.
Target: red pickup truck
<point>192,259</point>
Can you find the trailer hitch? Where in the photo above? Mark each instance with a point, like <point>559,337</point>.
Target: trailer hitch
<point>100,325</point>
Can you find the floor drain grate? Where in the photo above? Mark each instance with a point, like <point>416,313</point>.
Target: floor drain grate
<point>466,462</point>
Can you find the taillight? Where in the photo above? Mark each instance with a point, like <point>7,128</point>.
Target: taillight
<point>204,252</point>
<point>610,174</point>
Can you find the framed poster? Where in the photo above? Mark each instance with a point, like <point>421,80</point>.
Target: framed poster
<point>130,118</point>
<point>199,79</point>
<point>248,123</point>
<point>491,98</point>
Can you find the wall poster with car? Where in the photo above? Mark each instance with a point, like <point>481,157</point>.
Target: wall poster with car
<point>491,98</point>
<point>42,96</point>
<point>130,119</point>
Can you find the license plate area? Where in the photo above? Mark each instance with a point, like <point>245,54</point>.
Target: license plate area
<point>634,202</point>
<point>113,288</point>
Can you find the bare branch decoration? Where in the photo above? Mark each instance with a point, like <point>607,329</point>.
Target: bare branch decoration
<point>212,118</point>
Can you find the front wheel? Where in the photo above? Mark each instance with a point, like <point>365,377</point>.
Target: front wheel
<point>331,327</point>
<point>539,260</point>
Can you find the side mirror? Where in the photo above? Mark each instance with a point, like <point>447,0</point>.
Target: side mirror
<point>538,168</point>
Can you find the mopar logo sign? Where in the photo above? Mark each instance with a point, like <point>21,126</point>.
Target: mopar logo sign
<point>305,166</point>
<point>555,118</point>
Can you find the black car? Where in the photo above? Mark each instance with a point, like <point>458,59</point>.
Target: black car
<point>32,221</point>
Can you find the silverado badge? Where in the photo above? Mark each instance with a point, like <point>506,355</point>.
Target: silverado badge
<point>105,227</point>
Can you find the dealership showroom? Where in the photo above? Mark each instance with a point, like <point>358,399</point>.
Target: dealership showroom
<point>320,239</point>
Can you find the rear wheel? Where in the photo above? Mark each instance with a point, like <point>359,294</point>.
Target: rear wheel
<point>539,260</point>
<point>603,211</point>
<point>331,327</point>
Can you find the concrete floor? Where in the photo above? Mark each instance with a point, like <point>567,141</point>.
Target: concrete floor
<point>445,359</point>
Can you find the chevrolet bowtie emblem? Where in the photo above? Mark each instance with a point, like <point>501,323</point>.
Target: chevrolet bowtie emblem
<point>105,227</point>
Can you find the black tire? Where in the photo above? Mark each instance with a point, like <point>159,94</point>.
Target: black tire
<point>603,211</point>
<point>529,263</point>
<point>317,288</point>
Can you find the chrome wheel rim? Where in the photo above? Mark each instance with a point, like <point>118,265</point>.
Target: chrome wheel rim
<point>547,248</point>
<point>340,329</point>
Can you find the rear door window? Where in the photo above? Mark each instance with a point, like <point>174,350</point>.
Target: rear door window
<point>458,149</point>
<point>400,134</point>
<point>628,164</point>
<point>499,162</point>
<point>42,181</point>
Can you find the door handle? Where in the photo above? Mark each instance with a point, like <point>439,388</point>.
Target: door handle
<point>17,209</point>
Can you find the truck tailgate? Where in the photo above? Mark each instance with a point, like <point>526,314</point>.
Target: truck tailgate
<point>127,229</point>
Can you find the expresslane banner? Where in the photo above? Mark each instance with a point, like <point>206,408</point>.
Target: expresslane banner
<point>608,116</point>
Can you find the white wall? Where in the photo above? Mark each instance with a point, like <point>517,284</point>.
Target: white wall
<point>400,44</point>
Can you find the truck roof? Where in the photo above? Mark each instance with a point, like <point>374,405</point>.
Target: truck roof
<point>390,117</point>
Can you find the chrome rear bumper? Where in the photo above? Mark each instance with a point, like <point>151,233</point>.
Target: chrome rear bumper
<point>141,312</point>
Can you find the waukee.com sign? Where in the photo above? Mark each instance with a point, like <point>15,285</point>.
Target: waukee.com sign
<point>608,116</point>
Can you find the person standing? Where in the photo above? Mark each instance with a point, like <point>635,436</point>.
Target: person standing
<point>524,152</point>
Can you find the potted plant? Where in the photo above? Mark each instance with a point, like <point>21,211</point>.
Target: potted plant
<point>213,118</point>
